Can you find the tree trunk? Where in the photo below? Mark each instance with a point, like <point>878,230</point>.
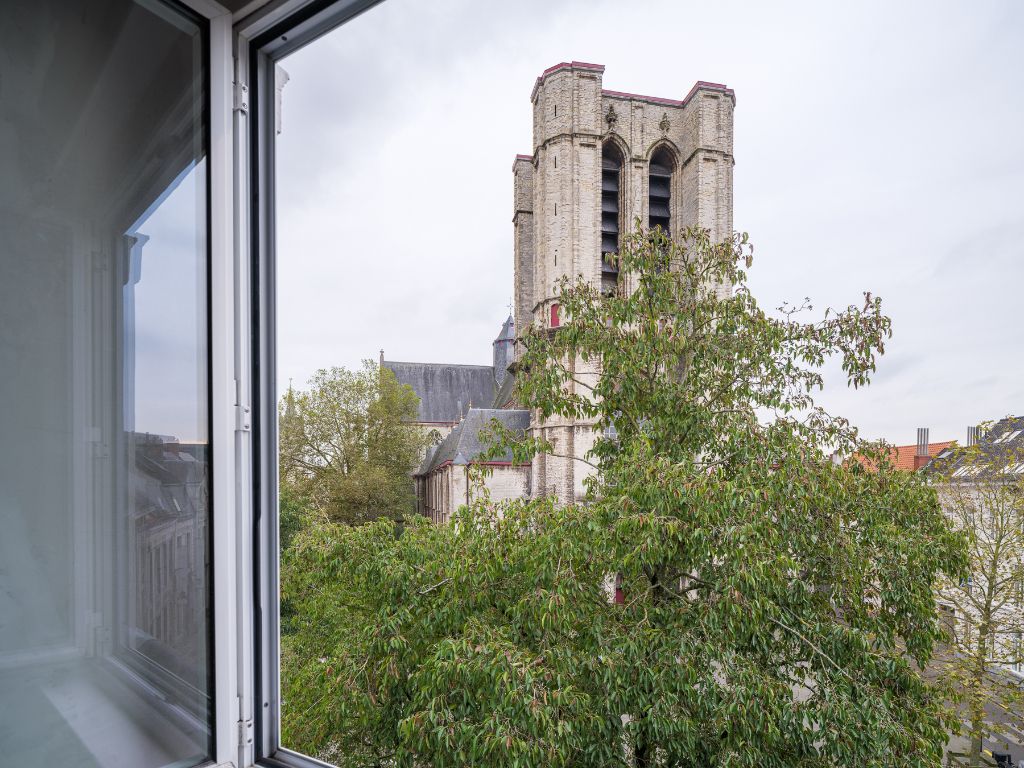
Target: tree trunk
<point>977,699</point>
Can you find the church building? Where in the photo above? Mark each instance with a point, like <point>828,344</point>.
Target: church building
<point>600,160</point>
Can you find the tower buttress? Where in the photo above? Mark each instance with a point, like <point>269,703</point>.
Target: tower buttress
<point>567,126</point>
<point>707,164</point>
<point>523,235</point>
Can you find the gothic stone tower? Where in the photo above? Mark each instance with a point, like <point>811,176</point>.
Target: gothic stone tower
<point>600,160</point>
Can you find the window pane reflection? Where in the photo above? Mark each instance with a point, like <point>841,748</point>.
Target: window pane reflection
<point>104,441</point>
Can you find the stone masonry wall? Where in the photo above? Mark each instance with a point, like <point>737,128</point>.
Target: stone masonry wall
<point>522,223</point>
<point>573,116</point>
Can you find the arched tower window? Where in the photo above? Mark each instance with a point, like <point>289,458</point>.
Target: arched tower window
<point>660,191</point>
<point>611,174</point>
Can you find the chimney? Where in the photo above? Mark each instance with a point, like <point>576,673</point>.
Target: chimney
<point>972,436</point>
<point>921,456</point>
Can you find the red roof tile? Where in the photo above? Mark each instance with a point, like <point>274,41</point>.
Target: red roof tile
<point>902,456</point>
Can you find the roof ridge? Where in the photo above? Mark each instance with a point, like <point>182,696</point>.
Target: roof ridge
<point>445,365</point>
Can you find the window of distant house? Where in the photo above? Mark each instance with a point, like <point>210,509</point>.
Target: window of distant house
<point>555,316</point>
<point>611,172</point>
<point>659,191</point>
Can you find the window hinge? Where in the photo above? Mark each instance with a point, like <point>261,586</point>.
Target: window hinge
<point>242,98</point>
<point>243,418</point>
<point>245,733</point>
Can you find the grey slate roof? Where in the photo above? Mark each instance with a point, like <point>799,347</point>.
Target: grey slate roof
<point>428,459</point>
<point>1001,455</point>
<point>445,391</point>
<point>505,392</point>
<point>507,332</point>
<point>465,444</point>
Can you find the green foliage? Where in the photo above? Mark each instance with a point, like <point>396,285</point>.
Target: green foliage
<point>294,516</point>
<point>346,445</point>
<point>777,607</point>
<point>983,495</point>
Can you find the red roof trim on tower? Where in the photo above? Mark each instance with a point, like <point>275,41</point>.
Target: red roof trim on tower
<point>564,65</point>
<point>698,86</point>
<point>638,97</point>
<point>706,86</point>
<point>570,64</point>
<point>526,158</point>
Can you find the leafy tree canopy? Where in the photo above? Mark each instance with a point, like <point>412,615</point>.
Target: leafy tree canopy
<point>346,444</point>
<point>777,607</point>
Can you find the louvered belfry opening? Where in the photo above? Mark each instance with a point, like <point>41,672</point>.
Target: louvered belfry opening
<point>660,214</point>
<point>611,173</point>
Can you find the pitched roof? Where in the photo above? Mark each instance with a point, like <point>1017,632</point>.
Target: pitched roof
<point>424,466</point>
<point>464,444</point>
<point>1000,453</point>
<point>445,391</point>
<point>504,396</point>
<point>903,456</point>
<point>507,332</point>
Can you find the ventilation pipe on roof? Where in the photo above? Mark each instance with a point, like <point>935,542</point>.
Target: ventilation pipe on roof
<point>972,436</point>
<point>921,456</point>
<point>922,441</point>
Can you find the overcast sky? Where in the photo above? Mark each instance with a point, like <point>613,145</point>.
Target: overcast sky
<point>879,146</point>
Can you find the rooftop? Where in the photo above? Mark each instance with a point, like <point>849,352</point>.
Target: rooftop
<point>446,391</point>
<point>999,453</point>
<point>903,456</point>
<point>467,442</point>
<point>599,68</point>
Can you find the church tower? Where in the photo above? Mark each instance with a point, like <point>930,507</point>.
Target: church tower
<point>600,160</point>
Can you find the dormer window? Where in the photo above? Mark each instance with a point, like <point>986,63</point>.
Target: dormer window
<point>660,191</point>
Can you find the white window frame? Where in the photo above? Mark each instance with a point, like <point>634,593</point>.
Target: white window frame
<point>258,41</point>
<point>244,47</point>
<point>222,376</point>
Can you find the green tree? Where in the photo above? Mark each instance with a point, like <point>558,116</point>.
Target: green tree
<point>346,445</point>
<point>777,609</point>
<point>983,494</point>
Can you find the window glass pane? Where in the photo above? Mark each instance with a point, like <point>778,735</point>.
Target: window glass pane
<point>104,441</point>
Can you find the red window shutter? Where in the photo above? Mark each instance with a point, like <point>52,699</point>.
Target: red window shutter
<point>555,319</point>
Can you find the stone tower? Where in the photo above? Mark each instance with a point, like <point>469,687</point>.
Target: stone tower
<point>600,160</point>
<point>502,351</point>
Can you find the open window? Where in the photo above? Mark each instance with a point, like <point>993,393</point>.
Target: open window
<point>106,640</point>
<point>140,556</point>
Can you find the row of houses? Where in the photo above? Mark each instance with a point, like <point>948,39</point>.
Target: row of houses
<point>980,486</point>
